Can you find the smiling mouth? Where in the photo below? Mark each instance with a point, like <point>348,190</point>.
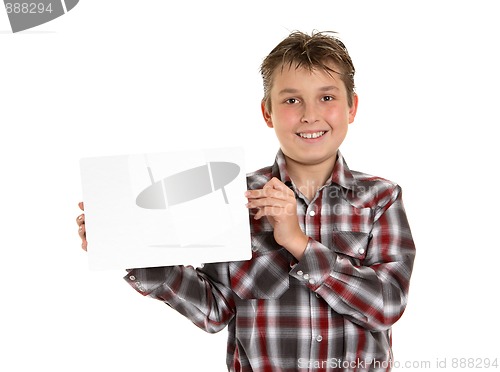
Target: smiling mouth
<point>311,135</point>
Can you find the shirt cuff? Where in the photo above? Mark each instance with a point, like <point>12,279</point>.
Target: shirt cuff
<point>147,280</point>
<point>315,265</point>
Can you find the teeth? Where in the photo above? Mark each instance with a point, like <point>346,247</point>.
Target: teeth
<point>312,135</point>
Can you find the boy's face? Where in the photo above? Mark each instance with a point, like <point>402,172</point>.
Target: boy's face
<point>310,114</point>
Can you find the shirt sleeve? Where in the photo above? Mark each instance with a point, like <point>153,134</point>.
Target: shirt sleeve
<point>202,295</point>
<point>373,293</point>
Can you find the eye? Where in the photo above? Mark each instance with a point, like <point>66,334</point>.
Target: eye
<point>291,101</point>
<point>328,98</point>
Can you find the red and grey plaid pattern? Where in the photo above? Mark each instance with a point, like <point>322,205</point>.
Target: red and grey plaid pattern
<point>333,310</point>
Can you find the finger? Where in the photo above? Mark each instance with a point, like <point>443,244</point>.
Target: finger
<point>275,184</point>
<point>268,192</point>
<point>80,220</point>
<point>82,232</point>
<point>264,211</point>
<point>83,235</point>
<point>277,212</point>
<point>266,202</point>
<point>278,185</point>
<point>270,211</point>
<point>261,212</point>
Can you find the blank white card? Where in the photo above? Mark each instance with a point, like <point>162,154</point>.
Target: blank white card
<point>163,209</point>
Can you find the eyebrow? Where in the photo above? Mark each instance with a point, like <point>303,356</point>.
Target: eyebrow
<point>294,91</point>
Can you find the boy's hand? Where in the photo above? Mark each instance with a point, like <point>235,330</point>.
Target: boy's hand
<point>80,220</point>
<point>277,202</point>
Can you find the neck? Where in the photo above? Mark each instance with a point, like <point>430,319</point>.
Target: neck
<point>308,178</point>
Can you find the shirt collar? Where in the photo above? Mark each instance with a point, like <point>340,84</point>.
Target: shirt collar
<point>341,174</point>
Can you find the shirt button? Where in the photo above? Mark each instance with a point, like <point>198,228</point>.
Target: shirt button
<point>300,272</point>
<point>361,251</point>
<point>312,213</point>
<point>254,248</point>
<point>317,295</point>
<point>306,276</point>
<point>312,281</point>
<point>131,277</point>
<point>319,338</point>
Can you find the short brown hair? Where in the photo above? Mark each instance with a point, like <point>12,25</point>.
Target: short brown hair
<point>315,51</point>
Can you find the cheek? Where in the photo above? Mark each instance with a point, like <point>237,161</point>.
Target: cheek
<point>286,116</point>
<point>338,117</point>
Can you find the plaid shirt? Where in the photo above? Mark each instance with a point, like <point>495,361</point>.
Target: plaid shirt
<point>333,310</point>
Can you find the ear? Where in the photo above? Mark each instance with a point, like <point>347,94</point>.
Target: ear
<point>266,114</point>
<point>354,108</point>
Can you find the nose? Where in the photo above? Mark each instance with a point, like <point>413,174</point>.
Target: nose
<point>309,114</point>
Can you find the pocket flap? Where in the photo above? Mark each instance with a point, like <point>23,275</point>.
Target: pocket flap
<point>351,243</point>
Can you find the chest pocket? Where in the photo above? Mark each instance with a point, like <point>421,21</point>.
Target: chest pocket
<point>265,275</point>
<point>351,231</point>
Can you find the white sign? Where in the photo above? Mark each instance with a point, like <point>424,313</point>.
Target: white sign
<point>166,209</point>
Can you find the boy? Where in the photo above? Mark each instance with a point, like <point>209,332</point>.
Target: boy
<point>332,249</point>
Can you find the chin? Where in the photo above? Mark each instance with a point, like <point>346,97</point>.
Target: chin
<point>312,158</point>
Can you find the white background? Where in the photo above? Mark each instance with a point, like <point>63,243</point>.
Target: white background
<point>120,76</point>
